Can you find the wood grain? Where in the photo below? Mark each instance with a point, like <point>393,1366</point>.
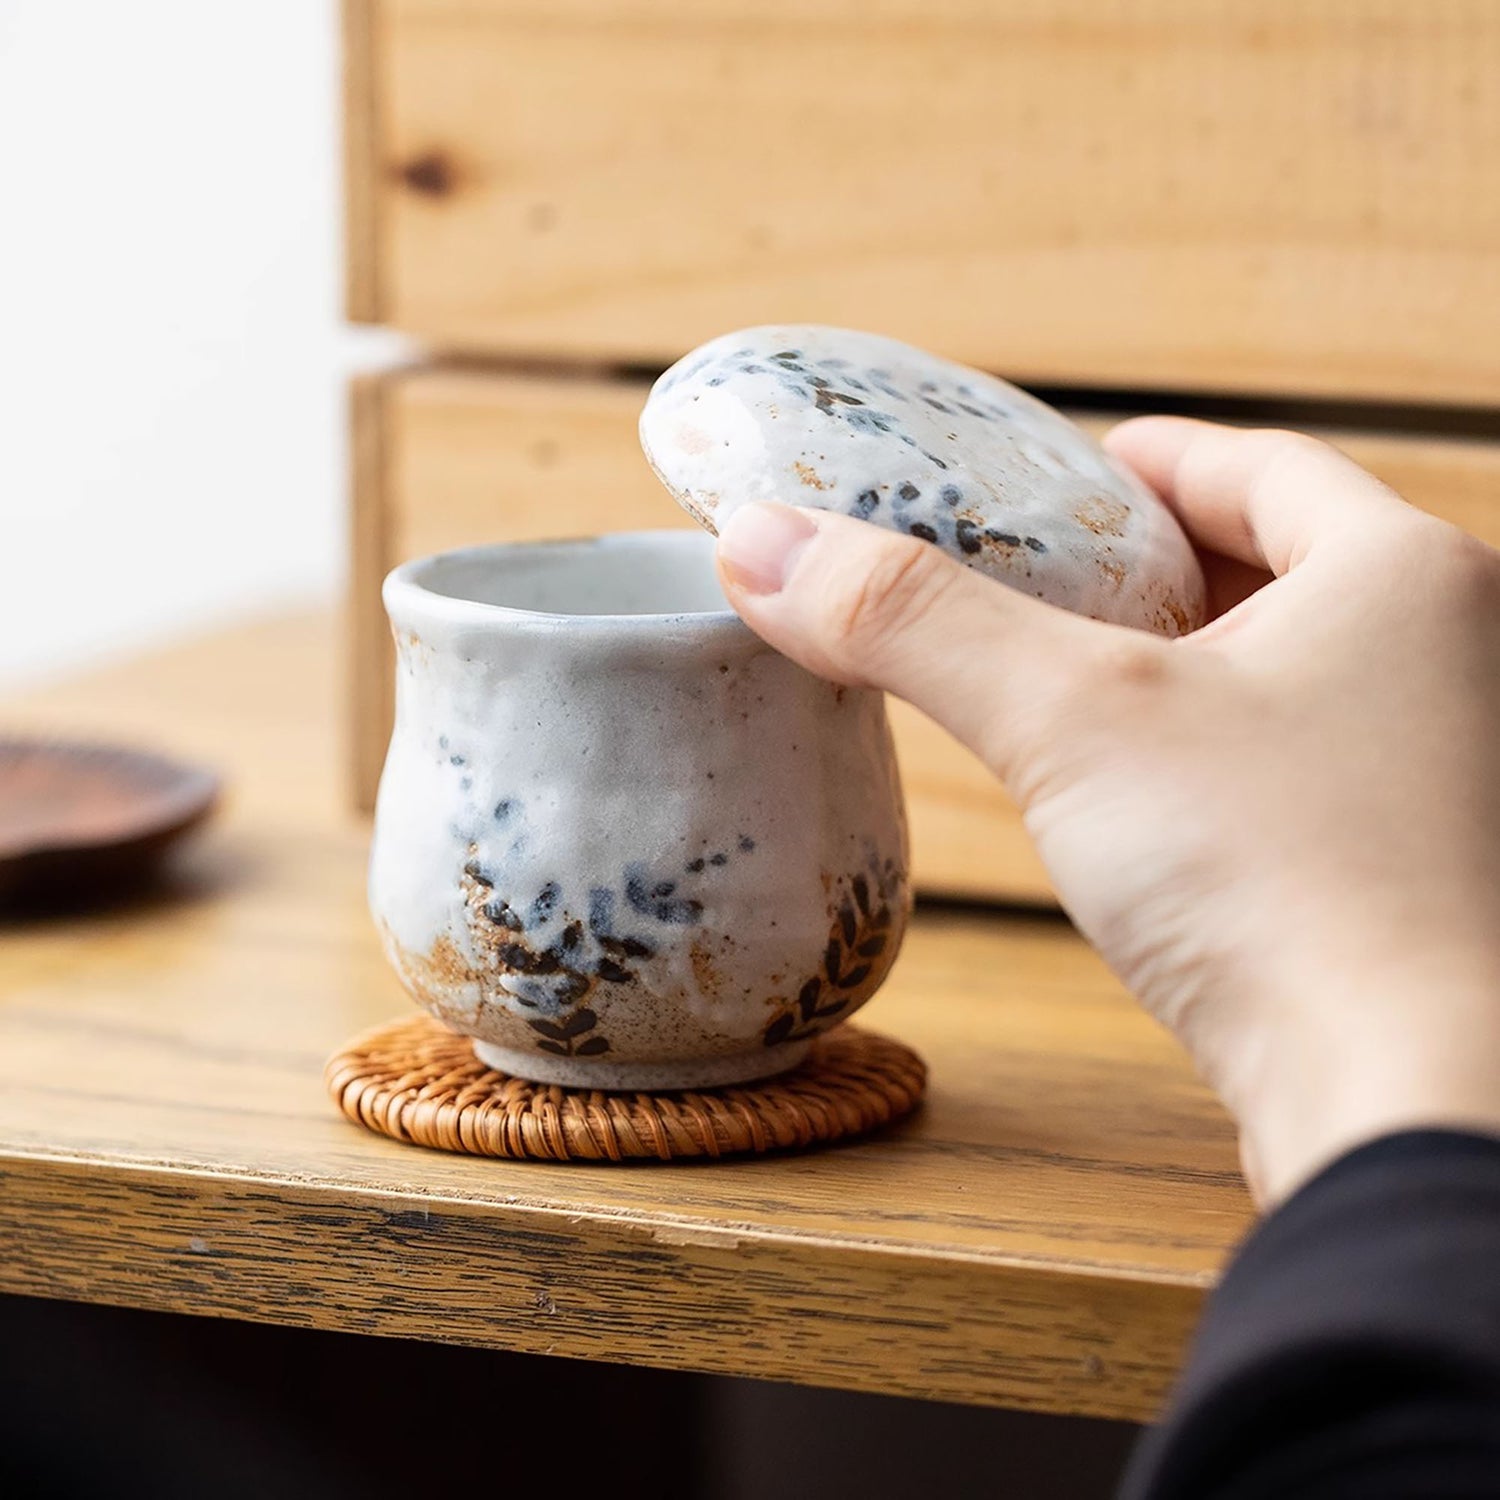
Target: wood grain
<point>1233,195</point>
<point>371,687</point>
<point>362,146</point>
<point>476,456</point>
<point>594,1287</point>
<point>1040,1235</point>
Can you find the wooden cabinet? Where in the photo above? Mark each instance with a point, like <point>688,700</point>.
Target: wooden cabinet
<point>1272,200</point>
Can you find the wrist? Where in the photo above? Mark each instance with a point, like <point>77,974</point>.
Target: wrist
<point>1431,1061</point>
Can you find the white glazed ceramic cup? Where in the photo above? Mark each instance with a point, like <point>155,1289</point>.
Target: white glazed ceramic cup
<point>620,842</point>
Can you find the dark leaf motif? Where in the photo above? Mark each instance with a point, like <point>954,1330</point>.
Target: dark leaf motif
<point>825,397</point>
<point>831,960</point>
<point>967,535</point>
<point>862,893</point>
<point>572,987</point>
<point>872,946</point>
<point>501,915</point>
<point>831,1009</point>
<point>601,911</point>
<point>614,973</point>
<point>559,1038</point>
<point>779,1029</point>
<point>807,1001</point>
<point>520,958</point>
<point>627,947</point>
<point>661,902</point>
<point>847,923</point>
<point>546,902</point>
<point>855,977</point>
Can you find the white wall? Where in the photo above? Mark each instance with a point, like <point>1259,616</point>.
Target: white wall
<point>172,445</point>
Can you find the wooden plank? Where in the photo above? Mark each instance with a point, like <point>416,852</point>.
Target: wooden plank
<point>476,456</point>
<point>362,147</point>
<point>480,456</point>
<point>371,685</point>
<point>1039,1235</point>
<point>1288,196</point>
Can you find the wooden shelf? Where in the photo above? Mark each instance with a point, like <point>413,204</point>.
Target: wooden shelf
<point>1040,1236</point>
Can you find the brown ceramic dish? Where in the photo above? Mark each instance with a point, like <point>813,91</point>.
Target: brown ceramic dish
<point>75,815</point>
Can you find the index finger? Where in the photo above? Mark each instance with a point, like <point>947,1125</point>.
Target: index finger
<point>1261,495</point>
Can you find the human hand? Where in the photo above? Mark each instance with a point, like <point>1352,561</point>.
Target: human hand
<point>1283,831</point>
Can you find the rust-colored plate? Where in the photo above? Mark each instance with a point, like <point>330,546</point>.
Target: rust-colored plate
<point>72,815</point>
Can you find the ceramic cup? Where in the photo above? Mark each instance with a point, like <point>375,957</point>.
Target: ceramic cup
<point>621,842</point>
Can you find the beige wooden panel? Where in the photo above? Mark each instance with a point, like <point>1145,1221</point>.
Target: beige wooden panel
<point>465,456</point>
<point>361,147</point>
<point>371,656</point>
<point>1256,195</point>
<point>478,457</point>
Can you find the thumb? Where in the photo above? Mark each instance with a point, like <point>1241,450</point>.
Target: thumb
<point>871,608</point>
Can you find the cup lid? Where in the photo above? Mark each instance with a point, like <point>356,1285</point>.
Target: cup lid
<point>835,419</point>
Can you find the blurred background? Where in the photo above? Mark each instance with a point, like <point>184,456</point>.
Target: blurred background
<point>172,344</point>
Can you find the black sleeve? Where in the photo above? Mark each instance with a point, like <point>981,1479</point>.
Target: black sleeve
<point>1353,1347</point>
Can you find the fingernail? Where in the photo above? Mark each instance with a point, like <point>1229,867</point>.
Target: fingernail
<point>758,545</point>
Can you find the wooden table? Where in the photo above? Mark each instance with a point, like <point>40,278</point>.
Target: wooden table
<point>1040,1236</point>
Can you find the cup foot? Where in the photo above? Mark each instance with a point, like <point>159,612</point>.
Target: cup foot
<point>596,1073</point>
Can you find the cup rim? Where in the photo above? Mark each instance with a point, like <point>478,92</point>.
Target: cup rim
<point>406,595</point>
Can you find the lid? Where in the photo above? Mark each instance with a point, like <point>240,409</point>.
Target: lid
<point>839,420</point>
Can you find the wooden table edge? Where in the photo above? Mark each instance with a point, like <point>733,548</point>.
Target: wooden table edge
<point>635,1289</point>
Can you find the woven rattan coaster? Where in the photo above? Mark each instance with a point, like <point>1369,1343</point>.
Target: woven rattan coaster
<point>416,1081</point>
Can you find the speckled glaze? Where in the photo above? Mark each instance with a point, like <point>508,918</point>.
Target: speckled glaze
<point>852,422</point>
<point>619,841</point>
